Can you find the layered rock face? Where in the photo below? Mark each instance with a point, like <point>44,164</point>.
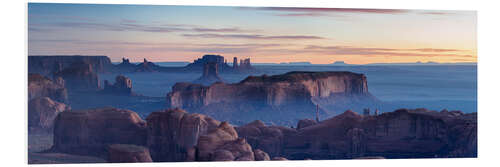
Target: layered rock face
<point>40,86</point>
<point>47,65</point>
<point>223,144</point>
<point>89,132</point>
<point>210,75</point>
<point>122,86</point>
<point>400,134</point>
<point>172,133</point>
<point>42,112</point>
<point>126,153</point>
<point>293,92</point>
<point>269,139</point>
<point>79,76</point>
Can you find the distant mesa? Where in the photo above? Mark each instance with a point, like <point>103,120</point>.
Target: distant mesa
<point>122,86</point>
<point>339,63</point>
<point>47,65</point>
<point>296,63</point>
<point>199,63</point>
<point>243,66</point>
<point>210,75</point>
<point>79,76</point>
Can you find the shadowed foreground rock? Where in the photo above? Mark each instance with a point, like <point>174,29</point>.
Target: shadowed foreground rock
<point>171,133</point>
<point>267,138</point>
<point>400,134</point>
<point>42,112</point>
<point>89,132</point>
<point>124,153</point>
<point>223,144</point>
<point>40,86</point>
<point>260,155</point>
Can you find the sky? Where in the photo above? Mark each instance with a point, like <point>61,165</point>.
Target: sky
<point>264,34</point>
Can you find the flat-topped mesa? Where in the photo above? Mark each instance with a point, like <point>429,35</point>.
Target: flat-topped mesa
<point>47,65</point>
<point>79,76</point>
<point>290,92</point>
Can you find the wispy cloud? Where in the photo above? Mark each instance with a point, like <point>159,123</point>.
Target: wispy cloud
<point>252,36</point>
<point>321,12</point>
<point>437,13</point>
<point>367,51</point>
<point>132,25</point>
<point>337,10</point>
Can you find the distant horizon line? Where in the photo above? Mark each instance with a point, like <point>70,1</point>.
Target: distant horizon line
<point>339,62</point>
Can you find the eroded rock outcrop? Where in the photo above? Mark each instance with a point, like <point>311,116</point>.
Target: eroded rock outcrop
<point>403,133</point>
<point>42,112</point>
<point>223,144</point>
<point>40,86</point>
<point>122,86</point>
<point>79,76</point>
<point>270,139</point>
<point>126,153</point>
<point>172,133</point>
<point>305,123</point>
<point>261,155</point>
<point>89,132</point>
<point>399,134</point>
<point>276,96</point>
<point>210,75</point>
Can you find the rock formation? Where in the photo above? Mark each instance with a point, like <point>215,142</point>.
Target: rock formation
<point>79,76</point>
<point>267,138</point>
<point>89,132</point>
<point>146,66</point>
<point>294,94</point>
<point>40,86</point>
<point>210,75</point>
<point>223,144</point>
<point>126,153</point>
<point>171,133</point>
<point>261,155</point>
<point>403,133</point>
<point>42,112</point>
<point>305,123</point>
<point>47,65</point>
<point>122,86</point>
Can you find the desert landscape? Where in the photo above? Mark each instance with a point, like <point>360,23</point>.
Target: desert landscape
<point>108,86</point>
